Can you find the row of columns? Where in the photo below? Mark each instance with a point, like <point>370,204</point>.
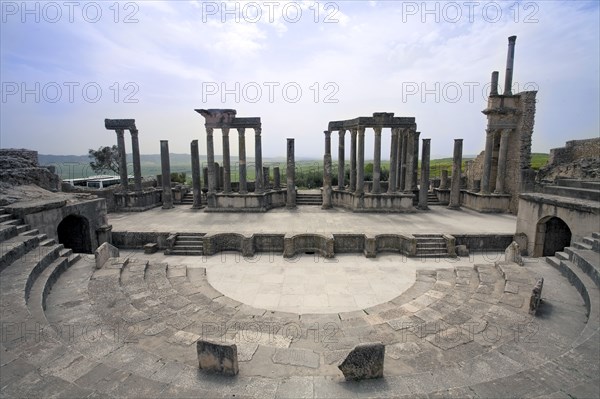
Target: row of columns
<point>135,148</point>
<point>404,154</point>
<point>502,160</point>
<point>212,173</point>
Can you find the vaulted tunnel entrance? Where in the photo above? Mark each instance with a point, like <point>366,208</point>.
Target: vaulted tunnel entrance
<point>74,233</point>
<point>553,235</point>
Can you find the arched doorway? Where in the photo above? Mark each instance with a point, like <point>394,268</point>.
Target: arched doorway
<point>74,233</point>
<point>553,235</point>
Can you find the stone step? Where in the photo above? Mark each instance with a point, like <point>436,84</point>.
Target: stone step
<point>573,192</point>
<point>432,254</point>
<point>581,245</point>
<point>562,255</point>
<point>5,217</point>
<point>22,228</point>
<point>186,252</point>
<point>10,222</point>
<point>7,232</point>
<point>587,260</point>
<point>184,247</point>
<point>189,238</point>
<point>42,286</point>
<point>73,258</point>
<point>2,211</point>
<point>422,246</point>
<point>13,249</point>
<point>576,183</point>
<point>32,232</point>
<point>66,252</point>
<point>596,235</point>
<point>47,242</point>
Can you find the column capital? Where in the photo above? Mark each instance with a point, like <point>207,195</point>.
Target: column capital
<point>506,132</point>
<point>361,130</point>
<point>134,132</point>
<point>209,131</point>
<point>241,131</point>
<point>120,133</point>
<point>342,132</point>
<point>327,133</point>
<point>378,130</point>
<point>225,131</point>
<point>257,131</point>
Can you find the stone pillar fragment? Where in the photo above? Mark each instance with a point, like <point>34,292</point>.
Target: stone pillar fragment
<point>226,162</point>
<point>266,177</point>
<point>122,159</point>
<point>167,194</point>
<point>402,160</point>
<point>502,158</point>
<point>393,162</point>
<point>205,178</point>
<point>196,188</point>
<point>444,180</point>
<point>353,160</point>
<point>327,189</point>
<point>341,160</point>
<point>424,184</point>
<point>510,60</point>
<point>360,165</point>
<point>276,178</point>
<point>494,87</point>
<point>291,175</point>
<point>137,167</point>
<point>258,184</point>
<point>377,162</point>
<point>210,159</point>
<point>487,162</point>
<point>456,171</point>
<point>242,159</point>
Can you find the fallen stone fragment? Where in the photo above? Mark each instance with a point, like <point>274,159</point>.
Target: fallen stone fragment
<point>217,358</point>
<point>365,361</point>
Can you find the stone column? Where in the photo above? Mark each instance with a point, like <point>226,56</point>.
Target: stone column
<point>408,161</point>
<point>122,159</point>
<point>424,184</point>
<point>266,175</point>
<point>510,60</point>
<point>403,152</point>
<point>196,188</point>
<point>258,183</point>
<point>291,175</point>
<point>205,177</point>
<point>242,159</point>
<point>494,87</point>
<point>276,178</point>
<point>393,162</point>
<point>456,170</point>
<point>487,162</point>
<point>353,160</point>
<point>210,159</point>
<point>377,162</point>
<point>327,190</point>
<point>502,157</point>
<point>137,167</point>
<point>341,160</point>
<point>415,174</point>
<point>360,165</point>
<point>444,180</point>
<point>167,194</point>
<point>226,162</point>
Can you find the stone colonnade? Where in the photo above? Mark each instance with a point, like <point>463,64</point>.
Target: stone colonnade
<point>119,126</point>
<point>226,120</point>
<point>492,136</point>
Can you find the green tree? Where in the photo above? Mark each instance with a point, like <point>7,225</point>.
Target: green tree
<point>105,159</point>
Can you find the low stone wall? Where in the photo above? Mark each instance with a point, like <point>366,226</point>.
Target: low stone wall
<point>443,195</point>
<point>250,202</point>
<point>348,243</point>
<point>137,201</point>
<point>219,242</point>
<point>303,243</point>
<point>137,240</point>
<point>486,203</point>
<point>483,242</point>
<point>574,150</point>
<point>368,202</point>
<point>28,155</point>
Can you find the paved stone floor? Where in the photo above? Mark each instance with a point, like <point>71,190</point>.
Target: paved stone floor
<point>310,283</point>
<point>314,220</point>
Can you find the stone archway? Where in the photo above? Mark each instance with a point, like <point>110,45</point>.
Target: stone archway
<point>74,233</point>
<point>552,235</point>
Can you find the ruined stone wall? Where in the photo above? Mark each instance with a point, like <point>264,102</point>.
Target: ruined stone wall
<point>30,156</point>
<point>575,150</point>
<point>20,166</point>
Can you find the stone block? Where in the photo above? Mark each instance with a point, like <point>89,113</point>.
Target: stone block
<point>104,253</point>
<point>513,254</point>
<point>461,250</point>
<point>365,361</point>
<point>150,248</point>
<point>536,296</point>
<point>217,358</point>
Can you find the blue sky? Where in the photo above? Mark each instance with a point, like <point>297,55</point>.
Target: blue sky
<point>297,65</point>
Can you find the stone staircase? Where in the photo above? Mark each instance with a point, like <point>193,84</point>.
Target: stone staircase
<point>188,199</point>
<point>572,188</point>
<point>187,244</point>
<point>432,199</point>
<point>431,246</point>
<point>309,199</point>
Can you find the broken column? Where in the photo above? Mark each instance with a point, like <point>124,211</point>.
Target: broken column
<point>291,175</point>
<point>424,184</point>
<point>341,156</point>
<point>487,162</point>
<point>196,188</point>
<point>502,158</point>
<point>494,87</point>
<point>137,168</point>
<point>258,183</point>
<point>393,162</point>
<point>327,189</point>
<point>377,162</point>
<point>266,176</point>
<point>167,194</point>
<point>276,178</point>
<point>456,171</point>
<point>353,133</point>
<point>242,160</point>
<point>444,180</point>
<point>205,178</point>
<point>226,162</point>
<point>360,165</point>
<point>510,60</point>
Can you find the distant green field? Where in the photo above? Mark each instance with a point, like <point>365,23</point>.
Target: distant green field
<point>310,172</point>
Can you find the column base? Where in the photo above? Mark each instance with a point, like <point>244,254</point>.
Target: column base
<point>423,207</point>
